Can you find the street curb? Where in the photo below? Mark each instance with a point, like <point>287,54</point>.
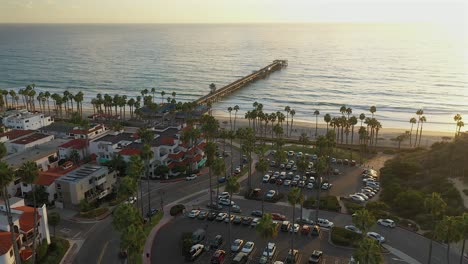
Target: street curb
<point>68,256</point>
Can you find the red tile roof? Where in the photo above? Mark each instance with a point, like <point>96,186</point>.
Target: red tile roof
<point>46,178</point>
<point>197,157</point>
<point>79,143</point>
<point>130,152</point>
<point>29,139</point>
<point>26,219</point>
<point>167,141</point>
<point>177,155</point>
<point>5,242</point>
<point>16,133</point>
<point>202,145</point>
<point>26,254</point>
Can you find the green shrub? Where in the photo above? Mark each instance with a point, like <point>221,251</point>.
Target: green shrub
<point>177,209</point>
<point>186,240</point>
<point>343,237</point>
<point>42,250</point>
<point>352,206</point>
<point>55,251</point>
<point>389,151</point>
<point>94,212</point>
<point>329,203</point>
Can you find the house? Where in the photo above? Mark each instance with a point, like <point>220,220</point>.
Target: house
<point>58,129</point>
<point>91,133</point>
<point>46,180</point>
<point>79,144</point>
<point>23,221</point>
<point>126,153</point>
<point>107,146</point>
<point>27,142</point>
<point>89,182</point>
<point>22,119</point>
<point>14,134</point>
<point>45,156</point>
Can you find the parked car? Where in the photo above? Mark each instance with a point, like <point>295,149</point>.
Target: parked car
<point>257,213</point>
<point>325,223</point>
<point>290,153</point>
<point>294,228</point>
<point>229,218</point>
<point>363,196</point>
<point>194,213</point>
<point>131,200</point>
<point>293,256</point>
<point>152,212</point>
<point>218,257</point>
<point>386,222</point>
<point>266,178</point>
<point>304,221</point>
<point>226,202</point>
<point>215,206</point>
<point>301,184</point>
<point>315,230</point>
<point>278,217</point>
<point>273,163</point>
<point>195,251</point>
<point>191,177</point>
<point>216,242</point>
<point>248,247</point>
<point>333,160</point>
<point>299,154</point>
<point>254,222</point>
<point>224,195</point>
<point>294,183</point>
<point>314,156</point>
<point>316,257</point>
<point>310,186</point>
<point>237,220</point>
<point>287,182</point>
<point>221,217</point>
<point>202,215</point>
<point>279,182</point>
<point>376,236</point>
<point>246,220</point>
<point>212,216</point>
<point>326,186</point>
<point>285,225</point>
<point>336,171</point>
<point>240,258</point>
<point>269,250</point>
<point>270,194</point>
<point>352,163</point>
<point>236,209</point>
<point>237,245</point>
<point>305,229</point>
<point>353,229</point>
<point>294,168</point>
<point>356,198</point>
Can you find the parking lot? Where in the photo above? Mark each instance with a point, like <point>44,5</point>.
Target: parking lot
<point>168,244</point>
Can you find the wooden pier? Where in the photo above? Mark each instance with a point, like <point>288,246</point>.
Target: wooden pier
<point>215,95</point>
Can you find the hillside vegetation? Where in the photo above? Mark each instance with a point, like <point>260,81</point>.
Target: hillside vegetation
<point>412,176</point>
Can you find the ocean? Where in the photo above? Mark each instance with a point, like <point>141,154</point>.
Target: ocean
<point>398,68</point>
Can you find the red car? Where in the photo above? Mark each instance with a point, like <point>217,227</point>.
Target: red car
<point>279,182</point>
<point>218,257</point>
<point>278,217</point>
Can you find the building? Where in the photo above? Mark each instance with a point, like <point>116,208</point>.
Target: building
<point>58,129</point>
<point>110,144</point>
<point>79,145</point>
<point>22,119</point>
<point>45,156</point>
<point>89,182</point>
<point>14,134</point>
<point>23,221</point>
<point>91,133</point>
<point>23,143</point>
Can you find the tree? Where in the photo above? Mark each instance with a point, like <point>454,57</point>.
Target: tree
<point>352,121</point>
<point>147,155</point>
<point>327,118</point>
<point>266,229</point>
<point>294,197</point>
<point>401,138</point>
<point>363,219</point>
<point>412,122</point>
<point>230,118</point>
<point>292,113</point>
<point>128,222</point>
<point>447,230</point>
<point>6,177</point>
<point>435,205</point>
<point>368,252</point>
<point>420,112</point>
<point>464,233</point>
<point>219,168</point>
<point>422,120</point>
<point>236,108</point>
<point>317,113</point>
<point>287,109</point>
<point>320,166</point>
<point>127,187</point>
<point>262,167</point>
<point>232,186</point>
<point>457,118</point>
<point>162,96</point>
<point>372,109</point>
<point>54,219</point>
<point>136,169</point>
<point>29,173</point>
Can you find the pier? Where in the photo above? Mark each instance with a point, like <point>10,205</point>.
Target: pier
<point>215,95</point>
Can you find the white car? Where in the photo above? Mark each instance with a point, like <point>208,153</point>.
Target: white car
<point>326,186</point>
<point>386,222</point>
<point>266,178</point>
<point>294,168</point>
<point>131,200</point>
<point>297,178</point>
<point>269,250</point>
<point>376,236</point>
<point>224,195</point>
<point>357,198</point>
<point>191,177</point>
<point>248,247</point>
<point>365,197</point>
<point>255,222</point>
<point>237,245</point>
<point>299,154</point>
<point>290,153</point>
<point>294,228</point>
<point>325,223</point>
<point>368,193</point>
<point>226,202</point>
<point>270,194</point>
<point>276,174</point>
<point>196,251</point>
<point>287,182</point>
<point>237,170</point>
<point>310,186</point>
<point>221,217</point>
<point>194,213</point>
<point>353,229</point>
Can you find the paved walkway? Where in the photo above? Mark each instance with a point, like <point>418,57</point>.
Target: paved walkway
<point>401,255</point>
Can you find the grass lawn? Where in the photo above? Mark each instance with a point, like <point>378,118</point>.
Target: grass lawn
<point>56,251</point>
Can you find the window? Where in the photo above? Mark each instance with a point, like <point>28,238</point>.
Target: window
<point>27,121</point>
<point>25,184</point>
<point>59,186</point>
<point>11,253</point>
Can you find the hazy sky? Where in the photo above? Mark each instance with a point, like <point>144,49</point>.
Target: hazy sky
<point>232,11</point>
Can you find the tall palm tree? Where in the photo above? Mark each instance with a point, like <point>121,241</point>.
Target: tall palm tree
<point>412,122</point>
<point>153,91</point>
<point>219,168</point>
<point>420,112</point>
<point>464,232</point>
<point>435,205</point>
<point>373,109</point>
<point>294,197</point>
<point>29,173</point>
<point>230,119</point>
<point>320,167</point>
<point>292,113</point>
<point>5,95</point>
<point>267,229</point>
<point>79,97</point>
<point>460,124</point>
<point>232,186</point>
<point>363,219</point>
<point>422,120</point>
<point>136,169</point>
<point>162,96</point>
<point>236,108</point>
<point>317,113</point>
<point>327,118</point>
<point>368,252</point>
<point>6,177</point>
<point>12,94</point>
<point>147,155</point>
<point>262,166</point>
<point>362,117</point>
<point>174,95</point>
<point>47,96</point>
<point>349,111</point>
<point>457,118</point>
<point>447,230</point>
<point>287,109</point>
<point>352,121</point>
<point>210,151</point>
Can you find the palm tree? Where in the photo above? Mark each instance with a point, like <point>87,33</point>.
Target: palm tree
<point>153,91</point>
<point>460,124</point>
<point>29,173</point>
<point>292,113</point>
<point>412,122</point>
<point>210,151</point>
<point>420,112</point>
<point>363,219</point>
<point>12,94</point>
<point>372,109</point>
<point>294,197</point>
<point>457,118</point>
<point>267,229</point>
<point>79,102</point>
<point>362,117</point>
<point>162,96</point>
<point>262,167</point>
<point>352,121</point>
<point>320,167</point>
<point>6,177</point>
<point>317,113</point>
<point>232,186</point>
<point>219,168</point>
<point>435,205</point>
<point>174,95</point>
<point>368,252</point>
<point>47,96</point>
<point>287,109</point>
<point>447,230</point>
<point>236,108</point>
<point>5,95</point>
<point>147,155</point>
<point>326,118</point>
<point>136,169</point>
<point>230,119</point>
<point>464,232</point>
<point>349,111</point>
<point>422,119</point>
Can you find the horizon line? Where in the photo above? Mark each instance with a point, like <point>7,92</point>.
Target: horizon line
<point>216,23</point>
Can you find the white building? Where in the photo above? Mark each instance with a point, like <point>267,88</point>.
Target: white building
<point>78,144</point>
<point>27,142</point>
<point>26,120</point>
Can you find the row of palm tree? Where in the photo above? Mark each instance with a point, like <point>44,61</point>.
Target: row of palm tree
<point>458,121</point>
<point>419,121</point>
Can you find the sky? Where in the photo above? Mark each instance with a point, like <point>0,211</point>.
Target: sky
<point>450,12</point>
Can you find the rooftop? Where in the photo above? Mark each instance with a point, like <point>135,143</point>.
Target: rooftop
<point>60,127</point>
<point>90,130</point>
<point>5,242</point>
<point>34,154</point>
<point>16,133</point>
<point>130,152</point>
<point>79,143</point>
<point>21,114</point>
<point>46,178</point>
<point>84,172</point>
<point>116,138</point>
<point>30,138</point>
<point>26,219</point>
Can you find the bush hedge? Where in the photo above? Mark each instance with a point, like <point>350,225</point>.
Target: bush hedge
<point>329,203</point>
<point>177,209</point>
<point>186,241</point>
<point>94,212</point>
<point>343,237</point>
<point>352,207</point>
<point>55,251</point>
